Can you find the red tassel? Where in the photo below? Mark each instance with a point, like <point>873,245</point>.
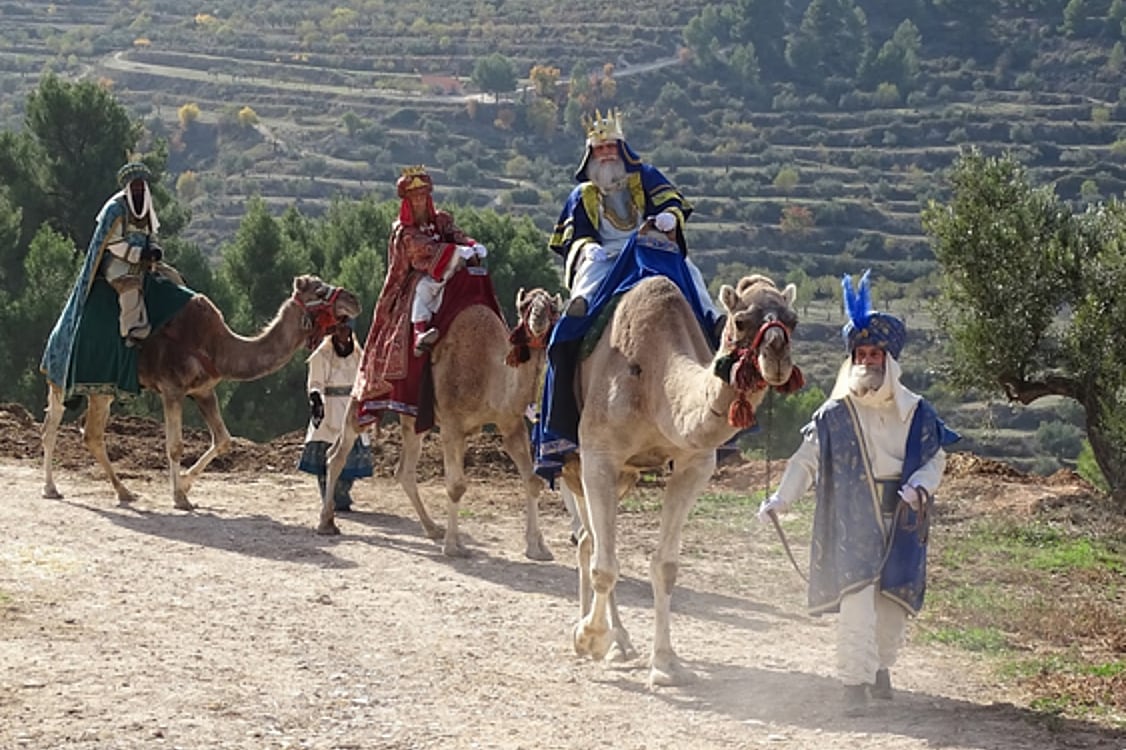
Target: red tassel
<point>795,383</point>
<point>741,415</point>
<point>519,353</point>
<point>744,374</point>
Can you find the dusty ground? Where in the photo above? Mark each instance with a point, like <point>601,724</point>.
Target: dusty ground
<point>236,626</point>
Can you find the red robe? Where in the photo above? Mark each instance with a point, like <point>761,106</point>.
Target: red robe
<point>389,377</point>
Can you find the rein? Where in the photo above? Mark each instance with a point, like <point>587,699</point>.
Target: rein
<point>922,517</point>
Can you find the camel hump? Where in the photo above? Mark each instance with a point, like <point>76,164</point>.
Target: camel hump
<point>655,296</point>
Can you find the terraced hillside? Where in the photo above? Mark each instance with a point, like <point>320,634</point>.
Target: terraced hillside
<point>300,103</point>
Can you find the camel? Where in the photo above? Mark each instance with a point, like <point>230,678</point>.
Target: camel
<point>651,397</point>
<point>190,356</point>
<point>475,384</point>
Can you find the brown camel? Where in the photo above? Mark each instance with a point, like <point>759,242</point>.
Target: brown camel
<point>651,398</point>
<point>473,386</point>
<point>190,356</point>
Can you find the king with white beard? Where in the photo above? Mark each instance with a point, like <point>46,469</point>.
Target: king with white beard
<point>617,195</point>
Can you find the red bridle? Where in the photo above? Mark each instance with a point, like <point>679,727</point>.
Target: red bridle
<point>320,316</point>
<point>746,376</point>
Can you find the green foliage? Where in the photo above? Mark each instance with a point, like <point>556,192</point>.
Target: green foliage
<point>1029,296</point>
<point>831,40</point>
<point>29,314</point>
<point>1088,467</point>
<point>494,74</point>
<point>1060,439</point>
<point>780,421</point>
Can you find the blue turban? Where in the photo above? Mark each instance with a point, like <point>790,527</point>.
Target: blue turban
<point>134,170</point>
<point>866,326</point>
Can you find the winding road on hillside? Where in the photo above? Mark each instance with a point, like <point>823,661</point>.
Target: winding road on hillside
<point>120,61</point>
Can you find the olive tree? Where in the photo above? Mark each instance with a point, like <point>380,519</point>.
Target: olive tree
<point>1031,297</point>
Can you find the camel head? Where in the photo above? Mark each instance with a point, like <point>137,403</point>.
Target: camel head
<point>538,311</point>
<point>760,321</point>
<point>323,305</point>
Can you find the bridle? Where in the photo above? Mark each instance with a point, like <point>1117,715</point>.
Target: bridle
<point>319,315</point>
<point>745,376</point>
<point>521,338</point>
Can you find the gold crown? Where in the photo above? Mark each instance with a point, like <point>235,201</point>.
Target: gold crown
<point>601,129</point>
<point>413,178</point>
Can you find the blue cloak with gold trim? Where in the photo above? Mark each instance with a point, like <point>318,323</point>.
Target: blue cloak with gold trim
<point>849,536</point>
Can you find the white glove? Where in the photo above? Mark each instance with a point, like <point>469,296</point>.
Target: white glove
<point>665,221</point>
<point>910,494</point>
<point>480,250</point>
<point>465,252</point>
<point>771,503</point>
<point>595,252</point>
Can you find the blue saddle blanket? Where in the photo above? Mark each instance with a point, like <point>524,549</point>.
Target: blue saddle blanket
<point>556,433</point>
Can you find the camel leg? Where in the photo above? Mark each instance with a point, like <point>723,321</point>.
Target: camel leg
<point>220,438</point>
<point>688,480</point>
<point>49,435</point>
<point>453,460</point>
<point>585,549</point>
<point>94,437</point>
<point>337,457</point>
<point>406,474</point>
<point>593,634</point>
<point>174,447</point>
<point>518,447</point>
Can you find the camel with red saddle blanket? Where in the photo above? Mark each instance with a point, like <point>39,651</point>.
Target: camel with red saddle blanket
<point>653,396</point>
<point>482,374</point>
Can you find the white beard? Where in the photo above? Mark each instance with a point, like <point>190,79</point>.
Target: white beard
<point>865,379</point>
<point>607,175</point>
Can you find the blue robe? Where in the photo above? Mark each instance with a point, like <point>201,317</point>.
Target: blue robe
<point>848,529</point>
<point>85,352</point>
<point>651,191</point>
<point>557,431</point>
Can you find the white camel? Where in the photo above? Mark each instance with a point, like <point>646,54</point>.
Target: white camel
<point>653,396</point>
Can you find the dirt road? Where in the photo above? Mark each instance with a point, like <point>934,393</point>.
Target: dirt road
<point>237,627</point>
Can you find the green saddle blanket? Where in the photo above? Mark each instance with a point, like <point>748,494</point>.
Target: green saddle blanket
<point>100,361</point>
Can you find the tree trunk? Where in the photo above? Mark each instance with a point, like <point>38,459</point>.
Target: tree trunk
<point>1109,454</point>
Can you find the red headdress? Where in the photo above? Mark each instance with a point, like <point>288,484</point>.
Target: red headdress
<point>411,180</point>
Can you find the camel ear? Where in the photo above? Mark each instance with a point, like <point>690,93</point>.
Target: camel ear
<point>728,297</point>
<point>558,303</point>
<point>520,298</point>
<point>301,283</point>
<point>790,293</point>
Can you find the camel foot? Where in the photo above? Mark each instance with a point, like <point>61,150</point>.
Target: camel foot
<point>621,652</point>
<point>538,550</point>
<point>667,671</point>
<point>180,502</point>
<point>51,493</point>
<point>434,532</point>
<point>454,548</point>
<point>591,641</point>
<point>328,529</point>
<point>125,497</point>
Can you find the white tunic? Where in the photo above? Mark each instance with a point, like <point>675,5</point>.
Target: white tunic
<point>332,376</point>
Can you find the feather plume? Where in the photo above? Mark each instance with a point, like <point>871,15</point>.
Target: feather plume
<point>858,303</point>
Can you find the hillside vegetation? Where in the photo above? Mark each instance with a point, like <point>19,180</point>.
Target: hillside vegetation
<point>807,134</point>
